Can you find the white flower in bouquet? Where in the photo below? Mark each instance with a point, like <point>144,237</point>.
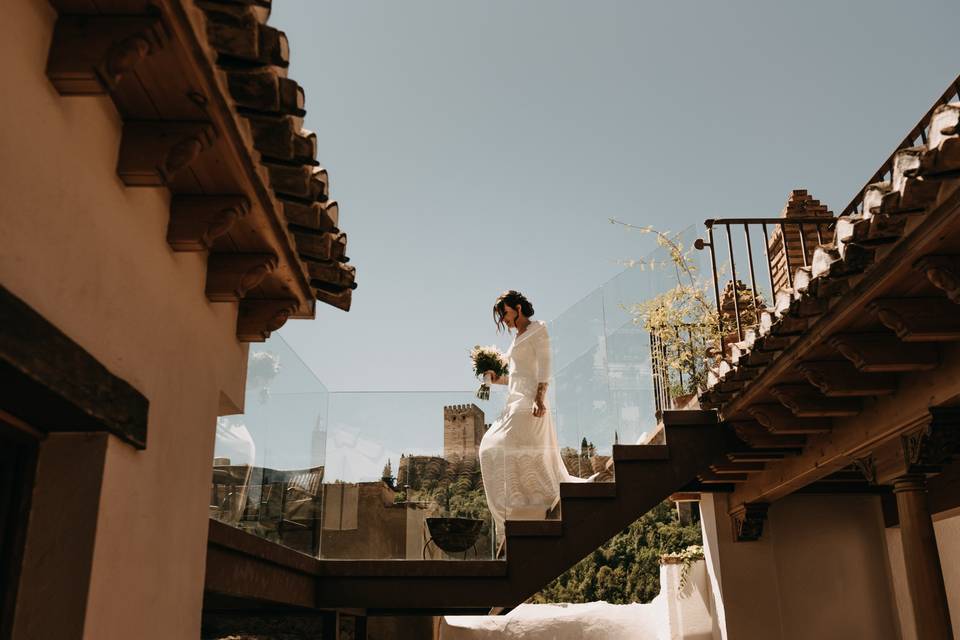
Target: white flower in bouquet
<point>487,359</point>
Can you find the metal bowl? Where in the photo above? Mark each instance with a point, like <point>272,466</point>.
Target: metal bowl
<point>454,535</point>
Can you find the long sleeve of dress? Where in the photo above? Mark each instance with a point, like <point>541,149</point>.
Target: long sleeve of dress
<point>541,346</point>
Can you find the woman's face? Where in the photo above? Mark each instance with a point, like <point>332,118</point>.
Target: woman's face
<point>510,315</point>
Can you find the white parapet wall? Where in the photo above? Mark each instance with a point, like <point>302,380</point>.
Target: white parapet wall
<point>946,527</point>
<point>818,570</point>
<point>673,615</point>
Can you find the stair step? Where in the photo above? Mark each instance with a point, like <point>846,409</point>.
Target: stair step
<point>640,452</point>
<point>588,489</point>
<point>533,528</point>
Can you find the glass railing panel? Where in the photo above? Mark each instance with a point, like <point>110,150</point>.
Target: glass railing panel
<point>403,476</point>
<point>604,391</point>
<point>268,466</point>
<point>382,475</point>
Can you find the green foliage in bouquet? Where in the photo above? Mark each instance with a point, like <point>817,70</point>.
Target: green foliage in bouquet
<point>487,359</point>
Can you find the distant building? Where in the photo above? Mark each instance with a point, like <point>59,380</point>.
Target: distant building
<point>463,429</point>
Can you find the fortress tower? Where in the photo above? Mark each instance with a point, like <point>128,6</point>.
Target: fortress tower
<point>462,430</point>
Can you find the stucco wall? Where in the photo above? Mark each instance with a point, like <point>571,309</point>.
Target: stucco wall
<point>946,527</point>
<point>91,256</point>
<point>817,572</point>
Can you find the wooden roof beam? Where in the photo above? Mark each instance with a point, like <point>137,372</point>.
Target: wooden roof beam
<point>943,272</point>
<point>723,468</point>
<point>90,55</point>
<point>883,352</point>
<point>806,401</point>
<point>153,152</point>
<point>919,319</point>
<point>839,379</point>
<point>758,436</point>
<point>197,221</point>
<point>758,455</point>
<point>231,275</point>
<point>778,420</point>
<point>854,437</point>
<point>256,319</point>
<point>894,260</point>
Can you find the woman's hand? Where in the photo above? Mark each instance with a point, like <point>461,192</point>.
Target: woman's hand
<point>492,377</point>
<point>539,408</point>
<point>539,404</point>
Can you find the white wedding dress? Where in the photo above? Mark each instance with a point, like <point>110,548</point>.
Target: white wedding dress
<point>519,455</point>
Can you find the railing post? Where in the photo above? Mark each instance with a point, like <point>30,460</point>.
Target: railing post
<point>654,366</point>
<point>753,279</point>
<point>786,255</point>
<point>803,246</point>
<point>716,286</point>
<point>766,254</point>
<point>733,273</point>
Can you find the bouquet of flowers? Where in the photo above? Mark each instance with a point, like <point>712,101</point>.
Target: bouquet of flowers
<point>487,359</point>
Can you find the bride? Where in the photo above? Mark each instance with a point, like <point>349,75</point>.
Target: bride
<point>519,456</point>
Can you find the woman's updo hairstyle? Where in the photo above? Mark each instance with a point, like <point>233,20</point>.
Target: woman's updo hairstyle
<point>510,299</point>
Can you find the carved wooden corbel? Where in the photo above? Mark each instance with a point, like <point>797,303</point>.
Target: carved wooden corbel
<point>740,466</point>
<point>878,352</point>
<point>197,221</point>
<point>231,275</point>
<point>257,318</point>
<point>934,443</point>
<point>805,401</point>
<point>153,152</point>
<point>943,272</point>
<point>839,378</point>
<point>754,434</point>
<point>867,466</point>
<point>777,419</point>
<point>90,55</point>
<point>919,319</point>
<point>747,520</point>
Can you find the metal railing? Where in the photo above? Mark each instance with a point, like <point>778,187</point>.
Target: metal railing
<point>919,134</point>
<point>666,377</point>
<point>788,251</point>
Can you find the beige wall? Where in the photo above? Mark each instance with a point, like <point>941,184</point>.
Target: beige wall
<point>946,527</point>
<point>818,571</point>
<point>90,255</point>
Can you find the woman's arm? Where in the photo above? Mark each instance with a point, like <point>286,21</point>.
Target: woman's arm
<point>541,347</point>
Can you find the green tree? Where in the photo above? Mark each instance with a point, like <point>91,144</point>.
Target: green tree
<point>627,568</point>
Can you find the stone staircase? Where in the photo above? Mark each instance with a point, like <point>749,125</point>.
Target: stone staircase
<point>243,567</point>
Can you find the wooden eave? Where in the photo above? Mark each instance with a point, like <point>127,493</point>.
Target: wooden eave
<point>242,177</point>
<point>889,331</point>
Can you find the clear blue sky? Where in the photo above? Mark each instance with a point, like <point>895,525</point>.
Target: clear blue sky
<point>481,146</point>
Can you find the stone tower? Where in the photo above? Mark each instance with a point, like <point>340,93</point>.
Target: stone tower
<point>462,430</point>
